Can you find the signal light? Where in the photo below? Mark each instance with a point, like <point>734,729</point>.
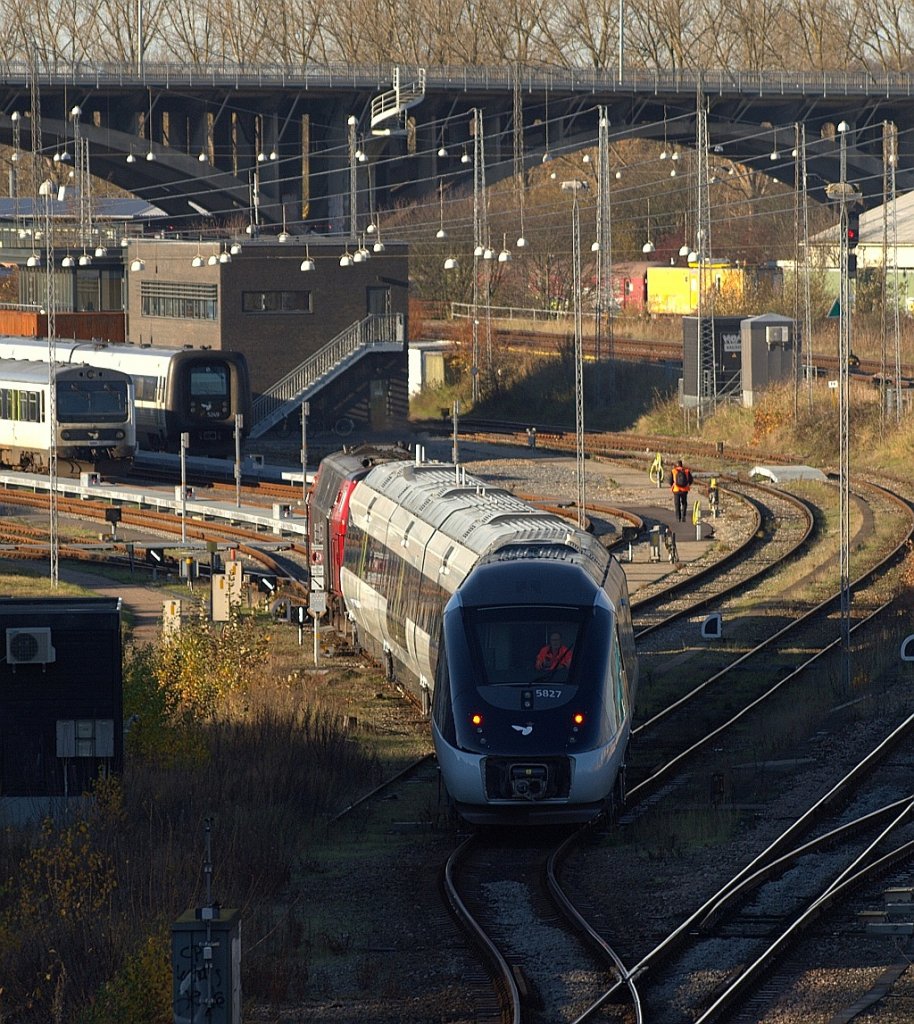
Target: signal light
<point>853,228</point>
<point>476,719</point>
<point>577,718</point>
<point>266,584</point>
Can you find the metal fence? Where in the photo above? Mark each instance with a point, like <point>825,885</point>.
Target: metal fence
<point>339,74</point>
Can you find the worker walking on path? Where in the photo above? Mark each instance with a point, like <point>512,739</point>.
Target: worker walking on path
<point>680,481</point>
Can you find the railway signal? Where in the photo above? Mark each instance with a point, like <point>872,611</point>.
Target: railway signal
<point>113,516</point>
<point>266,584</point>
<point>853,228</point>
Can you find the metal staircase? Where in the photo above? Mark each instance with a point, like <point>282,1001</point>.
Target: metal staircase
<point>375,333</point>
<point>395,102</point>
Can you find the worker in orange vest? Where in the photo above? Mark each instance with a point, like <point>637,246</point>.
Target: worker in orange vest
<point>680,482</point>
<point>553,655</point>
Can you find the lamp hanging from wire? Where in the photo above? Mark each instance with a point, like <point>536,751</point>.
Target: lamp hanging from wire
<point>441,233</point>
<point>149,155</point>
<point>648,246</point>
<point>547,156</point>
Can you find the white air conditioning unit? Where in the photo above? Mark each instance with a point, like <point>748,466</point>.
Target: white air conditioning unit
<point>29,646</point>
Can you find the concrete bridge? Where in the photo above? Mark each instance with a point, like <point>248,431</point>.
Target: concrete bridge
<point>292,145</point>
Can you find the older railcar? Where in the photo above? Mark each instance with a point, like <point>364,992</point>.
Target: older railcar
<point>94,414</point>
<point>192,391</point>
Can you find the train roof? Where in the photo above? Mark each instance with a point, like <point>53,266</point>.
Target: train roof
<point>34,373</point>
<point>481,518</point>
<point>89,351</point>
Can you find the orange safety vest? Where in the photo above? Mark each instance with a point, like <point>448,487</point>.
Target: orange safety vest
<point>548,660</point>
<point>675,487</point>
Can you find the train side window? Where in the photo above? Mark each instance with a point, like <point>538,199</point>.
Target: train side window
<point>145,388</point>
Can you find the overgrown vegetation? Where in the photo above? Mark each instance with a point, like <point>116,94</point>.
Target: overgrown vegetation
<point>225,725</point>
<point>538,390</point>
<point>801,425</point>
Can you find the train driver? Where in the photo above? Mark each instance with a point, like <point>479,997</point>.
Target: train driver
<point>553,655</point>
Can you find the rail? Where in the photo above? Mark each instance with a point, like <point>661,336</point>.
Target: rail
<point>374,329</point>
<point>342,74</point>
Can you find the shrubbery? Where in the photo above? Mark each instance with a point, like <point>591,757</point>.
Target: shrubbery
<point>219,729</point>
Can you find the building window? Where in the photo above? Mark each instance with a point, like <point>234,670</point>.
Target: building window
<point>276,302</point>
<point>179,301</point>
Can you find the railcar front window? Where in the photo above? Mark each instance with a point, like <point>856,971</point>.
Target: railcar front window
<point>209,391</point>
<point>525,646</point>
<point>97,401</point>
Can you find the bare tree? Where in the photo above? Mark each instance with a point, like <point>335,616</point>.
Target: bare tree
<point>888,41</point>
<point>297,31</point>
<point>817,34</point>
<point>592,31</point>
<point>671,34</point>
<point>193,26</point>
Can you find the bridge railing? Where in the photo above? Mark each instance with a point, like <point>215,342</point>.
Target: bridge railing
<point>463,78</point>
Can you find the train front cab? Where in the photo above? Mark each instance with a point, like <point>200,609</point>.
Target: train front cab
<point>521,744</point>
<point>204,392</point>
<point>95,413</point>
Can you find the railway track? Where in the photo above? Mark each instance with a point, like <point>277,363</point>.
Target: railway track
<point>32,542</point>
<point>502,888</point>
<point>657,785</point>
<point>783,526</point>
<point>717,746</point>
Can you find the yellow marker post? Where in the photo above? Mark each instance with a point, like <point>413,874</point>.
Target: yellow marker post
<point>696,513</point>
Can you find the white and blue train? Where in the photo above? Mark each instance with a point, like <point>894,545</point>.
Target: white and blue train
<point>460,587</point>
<point>192,391</point>
<point>94,412</point>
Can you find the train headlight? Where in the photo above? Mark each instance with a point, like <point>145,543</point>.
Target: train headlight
<point>65,434</point>
<point>476,719</point>
<point>119,435</point>
<point>578,719</point>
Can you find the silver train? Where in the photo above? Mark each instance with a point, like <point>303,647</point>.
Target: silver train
<point>192,391</point>
<point>460,587</point>
<point>94,412</point>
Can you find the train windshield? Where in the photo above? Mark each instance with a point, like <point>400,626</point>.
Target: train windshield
<point>209,380</point>
<point>95,401</point>
<point>524,645</point>
<point>209,385</point>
